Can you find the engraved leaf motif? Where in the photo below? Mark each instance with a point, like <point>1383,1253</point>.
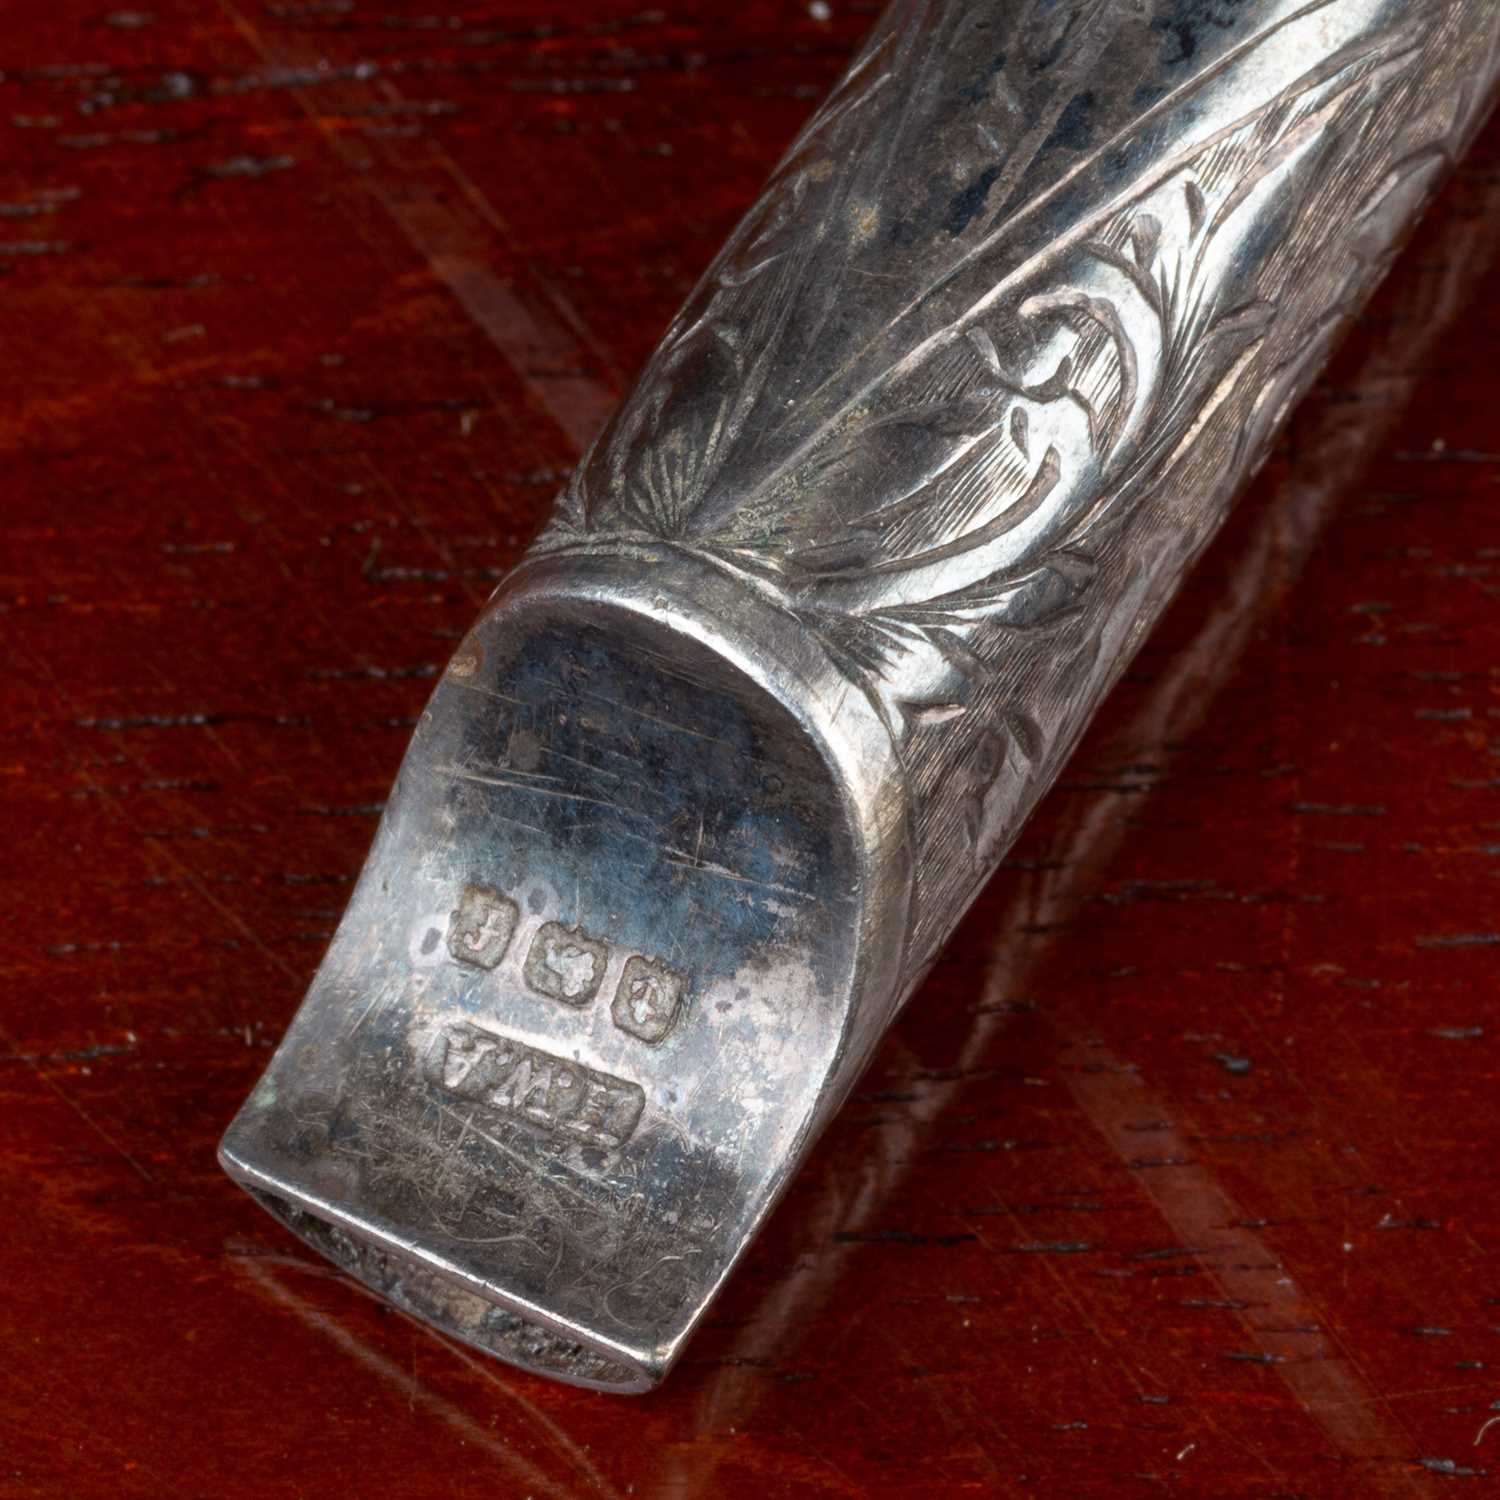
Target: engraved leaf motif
<point>912,491</point>
<point>1042,569</point>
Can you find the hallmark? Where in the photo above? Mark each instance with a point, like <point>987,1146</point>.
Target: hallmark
<point>480,929</point>
<point>526,1083</point>
<point>648,999</point>
<point>566,964</point>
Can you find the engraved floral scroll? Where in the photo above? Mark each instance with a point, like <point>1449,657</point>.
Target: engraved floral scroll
<point>933,470</point>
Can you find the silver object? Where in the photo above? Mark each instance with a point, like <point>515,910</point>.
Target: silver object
<point>813,627</point>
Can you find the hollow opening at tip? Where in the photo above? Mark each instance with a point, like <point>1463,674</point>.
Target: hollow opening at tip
<point>454,1310</point>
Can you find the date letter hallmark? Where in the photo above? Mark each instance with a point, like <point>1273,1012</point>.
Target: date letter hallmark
<point>525,1083</point>
<point>479,931</point>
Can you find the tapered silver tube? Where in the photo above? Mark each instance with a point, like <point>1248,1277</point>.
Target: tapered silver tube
<point>814,626</point>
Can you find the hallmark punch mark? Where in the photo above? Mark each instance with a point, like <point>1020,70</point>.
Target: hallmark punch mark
<point>648,999</point>
<point>481,926</point>
<point>565,964</point>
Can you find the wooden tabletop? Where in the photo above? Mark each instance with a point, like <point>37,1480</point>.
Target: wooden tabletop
<point>1179,1176</point>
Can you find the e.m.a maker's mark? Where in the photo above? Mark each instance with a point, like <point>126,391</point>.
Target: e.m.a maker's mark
<point>525,1083</point>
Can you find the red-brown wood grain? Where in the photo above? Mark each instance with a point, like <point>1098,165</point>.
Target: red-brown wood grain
<point>1179,1176</point>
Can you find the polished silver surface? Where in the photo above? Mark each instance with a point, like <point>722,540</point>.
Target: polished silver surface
<point>813,627</point>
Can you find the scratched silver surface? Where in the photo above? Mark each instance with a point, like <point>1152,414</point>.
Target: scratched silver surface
<point>813,627</point>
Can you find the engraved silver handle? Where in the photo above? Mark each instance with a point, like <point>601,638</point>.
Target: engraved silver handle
<point>813,627</point>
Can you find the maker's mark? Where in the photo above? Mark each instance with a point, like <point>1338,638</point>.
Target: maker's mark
<point>525,1083</point>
